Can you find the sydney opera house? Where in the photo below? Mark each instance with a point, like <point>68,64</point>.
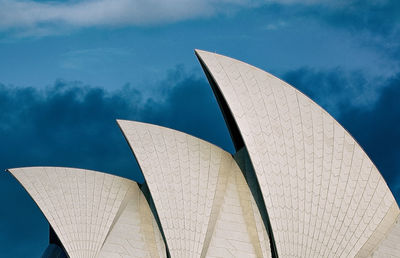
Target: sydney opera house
<point>298,185</point>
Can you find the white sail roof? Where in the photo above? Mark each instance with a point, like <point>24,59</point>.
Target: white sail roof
<point>202,199</point>
<point>93,214</point>
<point>323,194</point>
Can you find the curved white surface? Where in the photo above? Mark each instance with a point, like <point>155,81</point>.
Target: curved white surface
<point>200,194</point>
<point>323,194</point>
<point>94,214</point>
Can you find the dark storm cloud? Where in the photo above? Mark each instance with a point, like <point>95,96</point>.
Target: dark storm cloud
<point>72,124</point>
<point>68,124</point>
<point>374,121</point>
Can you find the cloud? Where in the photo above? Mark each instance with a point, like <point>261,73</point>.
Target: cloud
<point>275,25</point>
<point>30,14</point>
<point>94,59</point>
<point>64,124</point>
<point>73,124</point>
<point>86,13</point>
<point>29,18</point>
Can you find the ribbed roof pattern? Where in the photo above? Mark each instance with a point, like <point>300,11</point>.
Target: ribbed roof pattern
<point>90,211</point>
<point>204,204</point>
<point>323,194</point>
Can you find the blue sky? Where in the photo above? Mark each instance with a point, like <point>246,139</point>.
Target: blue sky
<point>68,69</point>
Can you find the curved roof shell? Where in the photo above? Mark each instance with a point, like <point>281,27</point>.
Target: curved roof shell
<point>201,196</point>
<point>93,214</point>
<point>323,194</point>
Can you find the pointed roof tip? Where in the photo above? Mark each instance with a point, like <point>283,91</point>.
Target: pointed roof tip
<point>127,120</point>
<point>199,51</point>
<point>120,122</point>
<point>203,54</point>
<point>124,121</point>
<point>12,170</point>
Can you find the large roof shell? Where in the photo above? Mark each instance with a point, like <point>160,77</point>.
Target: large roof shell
<point>323,194</point>
<point>93,214</point>
<point>201,196</point>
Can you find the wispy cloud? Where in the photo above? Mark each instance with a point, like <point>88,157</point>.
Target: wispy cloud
<point>33,18</point>
<point>95,58</point>
<point>275,25</point>
<point>84,13</point>
<point>32,15</point>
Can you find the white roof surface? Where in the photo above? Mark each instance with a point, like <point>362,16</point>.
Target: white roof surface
<point>323,194</point>
<point>94,214</point>
<point>201,196</point>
